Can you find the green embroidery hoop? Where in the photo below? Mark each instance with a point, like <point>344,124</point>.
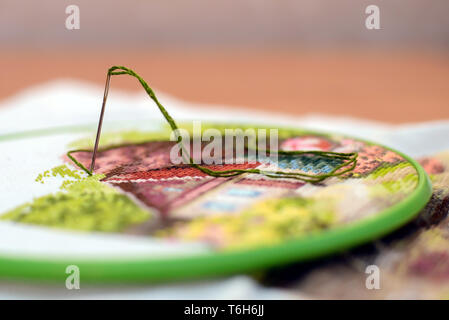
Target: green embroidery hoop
<point>213,264</point>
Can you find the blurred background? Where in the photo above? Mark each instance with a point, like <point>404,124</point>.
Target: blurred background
<point>285,56</point>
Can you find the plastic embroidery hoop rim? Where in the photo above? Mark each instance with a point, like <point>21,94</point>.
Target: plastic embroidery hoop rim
<point>213,264</point>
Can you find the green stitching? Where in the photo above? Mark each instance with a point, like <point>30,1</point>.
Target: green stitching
<point>349,159</point>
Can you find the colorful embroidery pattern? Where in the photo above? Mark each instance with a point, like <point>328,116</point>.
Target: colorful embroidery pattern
<point>182,203</point>
<point>413,262</point>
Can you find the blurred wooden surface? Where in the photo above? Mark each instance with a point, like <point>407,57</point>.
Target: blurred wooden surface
<point>395,87</point>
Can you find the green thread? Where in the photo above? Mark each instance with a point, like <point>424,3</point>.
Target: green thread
<point>79,164</point>
<point>349,159</point>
